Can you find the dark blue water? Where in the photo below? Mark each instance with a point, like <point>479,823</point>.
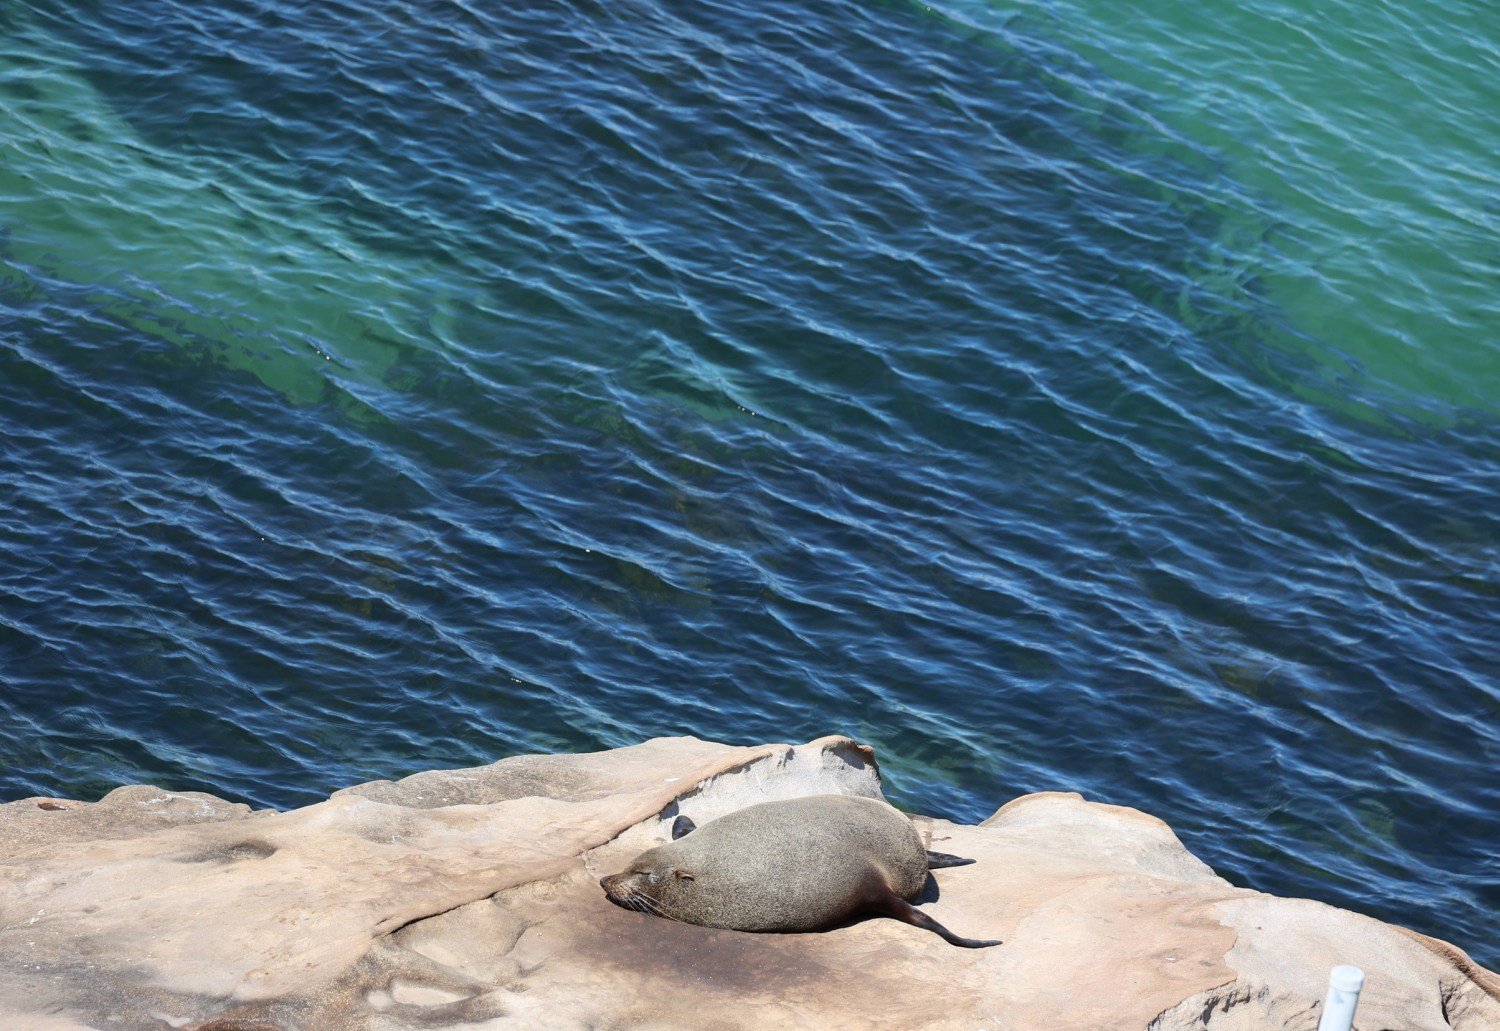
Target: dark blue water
<point>407,385</point>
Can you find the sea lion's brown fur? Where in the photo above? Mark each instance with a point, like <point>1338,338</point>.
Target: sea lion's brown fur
<point>797,865</point>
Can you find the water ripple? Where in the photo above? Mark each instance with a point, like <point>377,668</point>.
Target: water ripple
<point>1052,398</point>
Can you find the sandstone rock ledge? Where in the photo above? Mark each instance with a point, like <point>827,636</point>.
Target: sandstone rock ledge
<point>468,899</point>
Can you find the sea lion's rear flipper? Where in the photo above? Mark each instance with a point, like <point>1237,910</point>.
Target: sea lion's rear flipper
<point>894,905</point>
<point>942,860</point>
<point>682,826</point>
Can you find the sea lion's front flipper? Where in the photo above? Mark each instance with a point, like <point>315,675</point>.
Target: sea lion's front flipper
<point>942,860</point>
<point>682,826</point>
<point>894,905</point>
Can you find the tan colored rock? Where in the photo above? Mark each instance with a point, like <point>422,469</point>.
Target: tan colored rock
<point>469,899</point>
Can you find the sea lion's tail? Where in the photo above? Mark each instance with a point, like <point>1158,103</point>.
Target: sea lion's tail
<point>894,905</point>
<point>942,860</point>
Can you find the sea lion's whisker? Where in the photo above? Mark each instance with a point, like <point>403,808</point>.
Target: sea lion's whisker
<point>638,901</point>
<point>646,904</point>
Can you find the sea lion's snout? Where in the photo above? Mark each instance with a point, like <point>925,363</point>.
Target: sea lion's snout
<point>628,891</point>
<point>620,885</point>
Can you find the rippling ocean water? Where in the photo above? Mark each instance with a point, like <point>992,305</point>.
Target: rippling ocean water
<point>1051,394</point>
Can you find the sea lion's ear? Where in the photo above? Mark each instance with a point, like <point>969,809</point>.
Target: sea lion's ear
<point>682,826</point>
<point>681,874</point>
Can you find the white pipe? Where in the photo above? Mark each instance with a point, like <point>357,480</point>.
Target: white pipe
<point>1344,984</point>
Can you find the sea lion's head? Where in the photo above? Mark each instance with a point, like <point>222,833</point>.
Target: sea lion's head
<point>656,882</point>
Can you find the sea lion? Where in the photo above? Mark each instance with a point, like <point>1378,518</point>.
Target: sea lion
<point>797,865</point>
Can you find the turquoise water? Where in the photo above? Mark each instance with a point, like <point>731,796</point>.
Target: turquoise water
<point>1054,396</point>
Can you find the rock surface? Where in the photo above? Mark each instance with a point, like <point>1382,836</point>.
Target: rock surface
<point>468,899</point>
